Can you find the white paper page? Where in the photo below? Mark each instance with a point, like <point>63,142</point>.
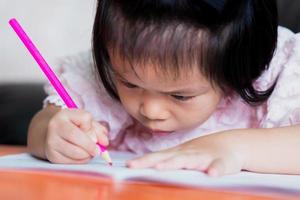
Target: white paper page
<point>242,180</point>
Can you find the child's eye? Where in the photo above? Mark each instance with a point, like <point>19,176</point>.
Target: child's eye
<point>129,85</point>
<point>182,98</point>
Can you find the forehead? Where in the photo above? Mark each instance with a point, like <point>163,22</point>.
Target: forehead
<point>148,72</point>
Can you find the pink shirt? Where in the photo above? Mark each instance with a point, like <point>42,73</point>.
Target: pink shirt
<point>281,109</point>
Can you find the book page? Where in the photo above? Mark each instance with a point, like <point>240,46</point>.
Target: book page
<point>178,177</point>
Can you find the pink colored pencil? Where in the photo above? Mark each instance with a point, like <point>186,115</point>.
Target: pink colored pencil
<point>50,74</point>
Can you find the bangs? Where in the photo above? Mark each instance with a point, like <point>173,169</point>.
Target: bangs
<point>166,46</point>
<point>230,49</point>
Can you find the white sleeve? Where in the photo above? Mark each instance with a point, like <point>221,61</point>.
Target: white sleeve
<point>283,106</point>
<point>79,78</point>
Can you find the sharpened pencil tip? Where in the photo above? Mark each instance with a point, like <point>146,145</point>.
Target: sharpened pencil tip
<point>110,163</point>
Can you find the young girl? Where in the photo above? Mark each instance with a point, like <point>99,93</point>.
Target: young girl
<point>206,85</point>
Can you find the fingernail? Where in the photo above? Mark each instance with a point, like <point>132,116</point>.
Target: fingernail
<point>159,166</point>
<point>105,124</point>
<point>130,164</point>
<point>213,173</point>
<point>127,164</point>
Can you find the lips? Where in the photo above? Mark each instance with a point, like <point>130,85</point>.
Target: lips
<point>161,132</point>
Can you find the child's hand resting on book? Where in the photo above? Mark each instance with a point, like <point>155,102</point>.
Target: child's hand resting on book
<point>214,154</point>
<point>72,136</point>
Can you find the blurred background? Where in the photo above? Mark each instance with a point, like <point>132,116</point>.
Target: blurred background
<point>58,28</point>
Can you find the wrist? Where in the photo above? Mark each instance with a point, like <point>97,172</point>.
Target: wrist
<point>237,141</point>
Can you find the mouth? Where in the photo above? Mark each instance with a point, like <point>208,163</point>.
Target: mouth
<point>161,132</point>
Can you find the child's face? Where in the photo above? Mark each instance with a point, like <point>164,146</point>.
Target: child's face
<point>160,102</point>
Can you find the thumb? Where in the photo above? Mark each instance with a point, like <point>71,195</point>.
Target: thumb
<point>101,133</point>
<point>92,135</point>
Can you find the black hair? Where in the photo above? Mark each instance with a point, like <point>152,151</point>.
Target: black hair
<point>232,41</point>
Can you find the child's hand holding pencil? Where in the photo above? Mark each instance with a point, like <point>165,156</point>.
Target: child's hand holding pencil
<point>72,136</point>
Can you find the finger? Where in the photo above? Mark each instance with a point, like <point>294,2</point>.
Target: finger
<point>75,136</point>
<point>216,168</point>
<point>175,162</point>
<point>72,151</point>
<point>92,135</point>
<point>100,133</point>
<point>81,118</point>
<point>106,125</point>
<point>205,161</point>
<point>57,157</point>
<point>184,162</point>
<point>149,160</point>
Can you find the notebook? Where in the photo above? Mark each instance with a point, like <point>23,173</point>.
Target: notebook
<point>119,172</point>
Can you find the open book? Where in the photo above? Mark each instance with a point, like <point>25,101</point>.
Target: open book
<point>242,181</point>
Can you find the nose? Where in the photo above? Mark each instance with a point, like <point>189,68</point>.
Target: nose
<point>153,107</point>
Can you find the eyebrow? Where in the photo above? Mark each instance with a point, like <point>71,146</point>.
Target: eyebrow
<point>117,74</point>
<point>184,91</point>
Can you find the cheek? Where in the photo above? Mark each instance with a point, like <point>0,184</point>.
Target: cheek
<point>200,110</point>
<point>128,100</point>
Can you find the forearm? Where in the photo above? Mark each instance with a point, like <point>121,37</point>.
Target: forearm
<point>269,150</point>
<point>38,130</point>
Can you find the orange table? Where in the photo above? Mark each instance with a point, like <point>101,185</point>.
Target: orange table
<point>36,185</point>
